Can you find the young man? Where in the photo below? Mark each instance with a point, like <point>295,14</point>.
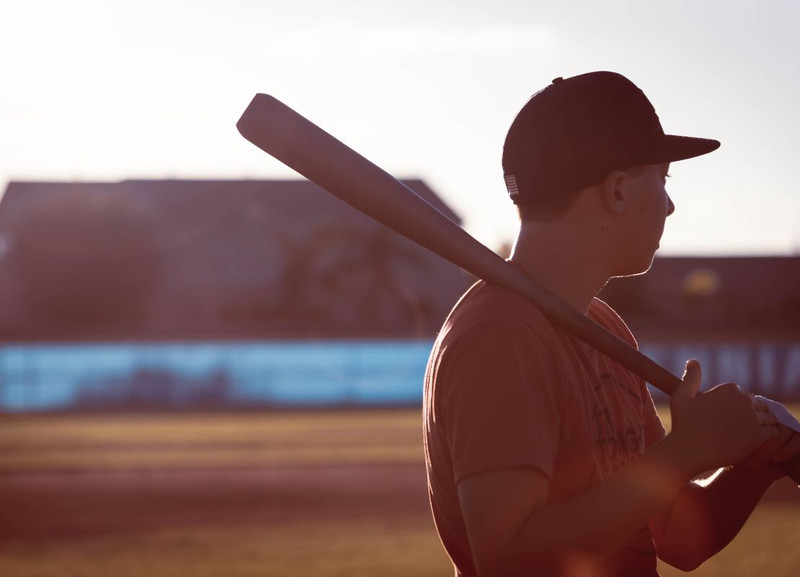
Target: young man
<point>545,457</point>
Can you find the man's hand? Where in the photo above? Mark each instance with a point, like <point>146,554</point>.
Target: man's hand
<point>784,446</point>
<point>722,426</point>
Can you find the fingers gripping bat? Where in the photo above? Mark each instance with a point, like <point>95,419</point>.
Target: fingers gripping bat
<point>298,143</point>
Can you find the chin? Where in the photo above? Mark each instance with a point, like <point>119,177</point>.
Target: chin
<point>635,268</point>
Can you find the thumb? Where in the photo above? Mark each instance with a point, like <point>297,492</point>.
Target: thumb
<point>690,383</point>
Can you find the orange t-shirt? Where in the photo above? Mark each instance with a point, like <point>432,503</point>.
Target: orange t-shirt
<point>505,389</point>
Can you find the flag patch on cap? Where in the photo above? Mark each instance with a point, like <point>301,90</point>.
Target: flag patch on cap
<point>511,184</point>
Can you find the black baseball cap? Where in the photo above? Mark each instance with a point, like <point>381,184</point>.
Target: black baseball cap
<point>577,130</point>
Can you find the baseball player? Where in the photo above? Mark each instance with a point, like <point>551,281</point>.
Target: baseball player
<point>545,457</point>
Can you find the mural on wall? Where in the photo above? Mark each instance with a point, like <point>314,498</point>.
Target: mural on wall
<point>148,388</point>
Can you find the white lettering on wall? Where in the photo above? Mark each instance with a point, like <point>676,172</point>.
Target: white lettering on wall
<point>767,375</point>
<point>772,369</point>
<point>791,375</point>
<point>733,364</point>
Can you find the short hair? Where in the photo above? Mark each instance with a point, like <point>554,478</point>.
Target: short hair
<point>548,208</point>
<point>552,207</point>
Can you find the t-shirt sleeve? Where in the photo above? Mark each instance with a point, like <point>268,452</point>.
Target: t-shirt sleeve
<point>501,402</point>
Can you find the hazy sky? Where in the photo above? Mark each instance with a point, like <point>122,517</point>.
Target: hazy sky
<point>97,90</point>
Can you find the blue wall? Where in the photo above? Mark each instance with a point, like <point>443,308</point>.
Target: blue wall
<point>41,377</point>
<point>50,377</point>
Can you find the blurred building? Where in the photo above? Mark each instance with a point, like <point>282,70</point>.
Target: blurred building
<point>739,316</point>
<point>261,291</point>
<point>721,297</point>
<point>186,294</point>
<point>189,260</point>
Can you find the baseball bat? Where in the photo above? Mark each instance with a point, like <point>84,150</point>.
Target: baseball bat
<point>298,143</point>
<point>303,146</point>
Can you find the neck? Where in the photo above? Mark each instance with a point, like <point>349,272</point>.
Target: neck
<point>568,262</point>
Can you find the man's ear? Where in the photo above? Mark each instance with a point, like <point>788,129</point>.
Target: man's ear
<point>614,191</point>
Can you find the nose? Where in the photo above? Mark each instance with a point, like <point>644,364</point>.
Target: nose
<point>670,206</point>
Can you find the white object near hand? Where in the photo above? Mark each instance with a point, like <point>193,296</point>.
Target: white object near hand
<point>781,413</point>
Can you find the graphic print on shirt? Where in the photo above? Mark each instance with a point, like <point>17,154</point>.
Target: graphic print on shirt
<point>613,448</point>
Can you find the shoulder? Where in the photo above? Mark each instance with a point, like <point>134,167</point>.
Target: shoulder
<point>485,307</point>
<point>492,327</point>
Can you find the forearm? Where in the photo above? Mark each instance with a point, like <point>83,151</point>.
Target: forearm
<point>704,519</point>
<point>513,527</point>
<point>601,521</point>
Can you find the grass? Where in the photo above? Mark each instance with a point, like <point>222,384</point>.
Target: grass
<point>119,441</point>
<point>766,547</point>
<point>402,544</point>
<point>190,440</point>
<point>356,548</point>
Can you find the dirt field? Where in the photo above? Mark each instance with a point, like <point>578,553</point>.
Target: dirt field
<point>339,493</point>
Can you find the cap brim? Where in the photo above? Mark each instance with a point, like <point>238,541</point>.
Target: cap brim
<point>672,148</point>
